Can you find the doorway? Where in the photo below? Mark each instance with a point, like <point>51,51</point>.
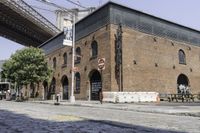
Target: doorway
<point>45,85</point>
<point>95,84</point>
<point>182,80</point>
<point>65,85</point>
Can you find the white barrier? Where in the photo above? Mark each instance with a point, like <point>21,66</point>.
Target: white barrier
<point>109,97</point>
<point>129,97</point>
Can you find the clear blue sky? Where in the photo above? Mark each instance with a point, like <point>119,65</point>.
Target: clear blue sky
<point>184,12</point>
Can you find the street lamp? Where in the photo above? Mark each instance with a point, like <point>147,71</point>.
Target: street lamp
<point>65,42</point>
<point>69,42</point>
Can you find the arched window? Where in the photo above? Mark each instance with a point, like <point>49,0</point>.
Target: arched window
<point>53,86</point>
<point>78,82</point>
<point>65,58</point>
<point>78,55</point>
<point>182,58</point>
<point>54,62</point>
<point>94,47</point>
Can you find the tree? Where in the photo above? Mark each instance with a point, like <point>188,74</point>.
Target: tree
<point>27,66</point>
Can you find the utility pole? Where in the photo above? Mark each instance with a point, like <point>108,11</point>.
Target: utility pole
<point>72,98</point>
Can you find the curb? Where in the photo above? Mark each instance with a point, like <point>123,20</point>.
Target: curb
<point>169,112</point>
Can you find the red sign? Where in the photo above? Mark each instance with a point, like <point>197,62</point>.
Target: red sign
<point>101,63</point>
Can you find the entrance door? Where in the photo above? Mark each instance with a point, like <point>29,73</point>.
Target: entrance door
<point>52,89</point>
<point>182,80</point>
<point>45,85</point>
<point>96,84</point>
<point>65,88</point>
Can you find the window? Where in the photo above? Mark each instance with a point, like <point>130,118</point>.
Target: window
<point>53,86</point>
<point>65,58</point>
<point>94,47</point>
<point>78,82</point>
<point>54,62</point>
<point>182,59</point>
<point>78,55</point>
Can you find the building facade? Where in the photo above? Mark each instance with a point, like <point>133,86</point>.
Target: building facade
<point>142,53</point>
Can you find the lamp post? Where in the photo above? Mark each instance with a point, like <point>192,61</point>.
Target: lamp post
<point>72,98</point>
<point>68,43</point>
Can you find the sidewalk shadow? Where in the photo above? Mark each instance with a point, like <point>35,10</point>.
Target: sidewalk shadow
<point>20,123</point>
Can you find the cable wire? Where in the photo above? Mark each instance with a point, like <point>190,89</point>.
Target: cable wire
<point>42,8</point>
<point>55,5</point>
<point>77,4</point>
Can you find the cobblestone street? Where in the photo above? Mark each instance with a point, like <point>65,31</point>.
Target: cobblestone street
<point>42,118</point>
<point>11,123</point>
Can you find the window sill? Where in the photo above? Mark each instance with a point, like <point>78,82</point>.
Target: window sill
<point>182,63</point>
<point>64,65</point>
<point>77,61</point>
<point>77,92</point>
<point>93,57</point>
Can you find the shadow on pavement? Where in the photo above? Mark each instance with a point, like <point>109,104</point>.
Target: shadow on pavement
<point>19,123</point>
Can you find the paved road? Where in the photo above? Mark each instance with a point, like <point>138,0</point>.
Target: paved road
<point>32,117</point>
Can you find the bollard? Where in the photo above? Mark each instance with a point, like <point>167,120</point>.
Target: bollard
<point>57,100</point>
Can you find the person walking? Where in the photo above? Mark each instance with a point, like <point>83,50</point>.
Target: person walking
<point>100,96</point>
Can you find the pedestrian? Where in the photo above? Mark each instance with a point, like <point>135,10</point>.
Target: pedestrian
<point>57,98</point>
<point>100,96</point>
<point>0,95</point>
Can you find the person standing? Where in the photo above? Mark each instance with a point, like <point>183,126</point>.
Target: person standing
<point>101,96</point>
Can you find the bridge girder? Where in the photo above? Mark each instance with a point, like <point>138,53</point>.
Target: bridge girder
<point>22,24</point>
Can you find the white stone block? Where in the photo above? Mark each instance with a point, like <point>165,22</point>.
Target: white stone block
<point>129,97</point>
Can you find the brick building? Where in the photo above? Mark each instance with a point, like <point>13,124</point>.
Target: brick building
<point>142,53</point>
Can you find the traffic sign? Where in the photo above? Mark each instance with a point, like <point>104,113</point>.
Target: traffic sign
<point>101,63</point>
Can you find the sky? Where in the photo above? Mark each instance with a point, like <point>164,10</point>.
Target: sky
<point>184,12</point>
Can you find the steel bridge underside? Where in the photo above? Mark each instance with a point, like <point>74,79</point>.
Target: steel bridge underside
<point>19,25</point>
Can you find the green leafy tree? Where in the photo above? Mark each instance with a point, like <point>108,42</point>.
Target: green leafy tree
<point>27,66</point>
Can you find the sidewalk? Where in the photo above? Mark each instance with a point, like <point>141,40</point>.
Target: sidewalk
<point>186,109</point>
